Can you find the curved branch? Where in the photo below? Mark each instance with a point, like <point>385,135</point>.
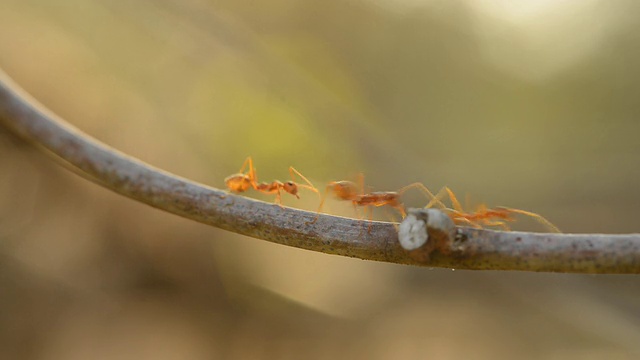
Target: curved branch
<point>473,249</point>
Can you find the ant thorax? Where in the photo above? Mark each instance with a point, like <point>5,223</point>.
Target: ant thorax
<point>378,199</point>
<point>269,187</point>
<point>345,190</point>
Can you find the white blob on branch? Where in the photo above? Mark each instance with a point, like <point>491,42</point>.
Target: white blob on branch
<point>412,233</point>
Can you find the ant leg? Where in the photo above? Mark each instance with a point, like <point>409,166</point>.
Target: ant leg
<point>253,176</point>
<point>401,210</point>
<point>467,201</point>
<point>393,218</point>
<point>537,217</point>
<point>501,224</point>
<point>245,163</point>
<point>360,217</point>
<point>355,204</point>
<point>369,209</point>
<point>279,199</point>
<point>361,183</point>
<point>322,200</point>
<point>363,217</point>
<point>437,199</point>
<point>454,200</point>
<point>467,221</point>
<point>424,190</point>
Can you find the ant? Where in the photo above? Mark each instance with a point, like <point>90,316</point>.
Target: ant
<point>242,182</point>
<point>484,216</point>
<point>350,191</point>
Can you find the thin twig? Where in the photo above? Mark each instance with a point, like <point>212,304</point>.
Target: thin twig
<point>472,249</point>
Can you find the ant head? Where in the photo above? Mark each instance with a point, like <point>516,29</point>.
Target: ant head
<point>343,189</point>
<point>291,188</point>
<point>238,182</point>
<point>502,212</point>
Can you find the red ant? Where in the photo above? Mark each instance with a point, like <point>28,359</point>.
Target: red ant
<point>242,182</point>
<point>350,191</point>
<point>484,216</point>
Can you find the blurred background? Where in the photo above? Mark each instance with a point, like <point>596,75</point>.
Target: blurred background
<point>531,104</point>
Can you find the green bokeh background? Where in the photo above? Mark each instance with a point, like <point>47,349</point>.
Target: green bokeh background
<point>530,104</point>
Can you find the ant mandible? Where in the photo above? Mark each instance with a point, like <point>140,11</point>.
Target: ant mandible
<point>483,215</point>
<point>242,182</point>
